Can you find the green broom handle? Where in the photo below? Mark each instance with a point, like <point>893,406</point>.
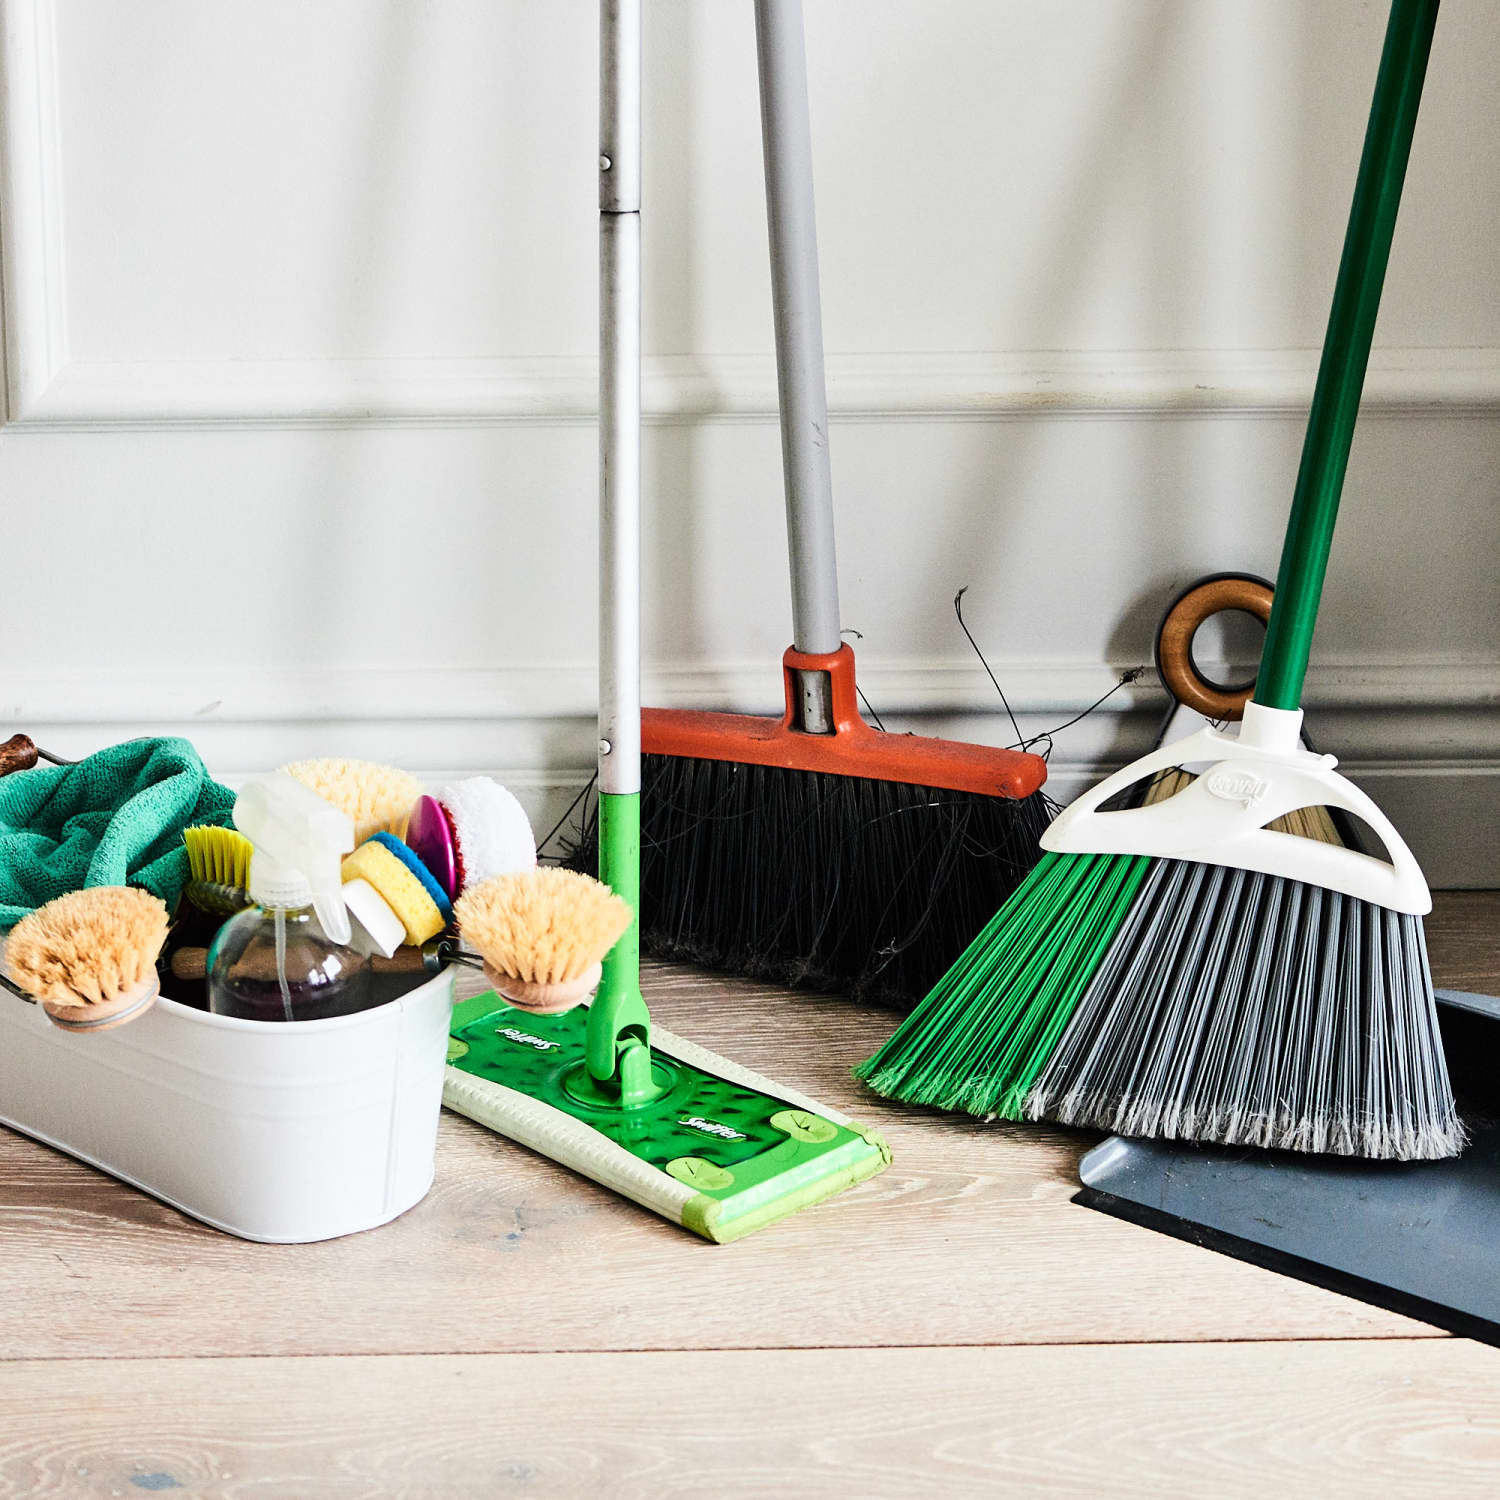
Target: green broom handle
<point>1346,353</point>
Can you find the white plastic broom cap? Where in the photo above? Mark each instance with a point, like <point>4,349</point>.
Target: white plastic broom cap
<point>1247,780</point>
<point>300,841</point>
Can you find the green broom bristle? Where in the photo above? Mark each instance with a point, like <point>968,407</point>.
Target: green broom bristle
<point>980,1039</point>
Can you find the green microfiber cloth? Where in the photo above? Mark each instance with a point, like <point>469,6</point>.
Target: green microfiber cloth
<point>113,819</point>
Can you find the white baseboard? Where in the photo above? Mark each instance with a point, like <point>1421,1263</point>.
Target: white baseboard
<point>1422,737</point>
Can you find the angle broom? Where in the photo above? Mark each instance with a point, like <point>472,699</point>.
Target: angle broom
<point>700,1140</point>
<point>816,850</point>
<point>1180,970</point>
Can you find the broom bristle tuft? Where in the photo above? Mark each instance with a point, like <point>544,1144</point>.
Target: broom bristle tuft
<point>1255,1010</point>
<point>1186,1001</point>
<point>817,880</point>
<point>987,1029</point>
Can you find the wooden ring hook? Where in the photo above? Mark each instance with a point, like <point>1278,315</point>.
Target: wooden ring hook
<point>1175,664</point>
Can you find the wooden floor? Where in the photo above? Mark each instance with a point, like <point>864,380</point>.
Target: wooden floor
<point>954,1327</point>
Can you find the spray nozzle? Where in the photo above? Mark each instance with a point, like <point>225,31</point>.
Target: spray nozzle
<point>300,841</point>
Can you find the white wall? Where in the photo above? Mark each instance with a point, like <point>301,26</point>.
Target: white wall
<point>300,311</point>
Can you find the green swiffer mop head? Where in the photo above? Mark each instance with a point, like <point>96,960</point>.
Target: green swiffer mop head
<point>722,1151</point>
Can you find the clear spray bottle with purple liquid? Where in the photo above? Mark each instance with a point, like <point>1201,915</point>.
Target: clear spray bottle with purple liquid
<point>289,956</point>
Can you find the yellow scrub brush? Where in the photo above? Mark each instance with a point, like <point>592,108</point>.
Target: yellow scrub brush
<point>542,934</point>
<point>90,956</point>
<point>219,863</point>
<point>378,798</point>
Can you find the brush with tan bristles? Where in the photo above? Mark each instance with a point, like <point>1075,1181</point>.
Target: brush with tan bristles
<point>90,956</point>
<point>542,934</point>
<point>378,798</point>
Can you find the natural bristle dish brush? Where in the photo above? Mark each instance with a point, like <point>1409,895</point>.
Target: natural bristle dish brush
<point>90,956</point>
<point>542,934</point>
<point>378,798</point>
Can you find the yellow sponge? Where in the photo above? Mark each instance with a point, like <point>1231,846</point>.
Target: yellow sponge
<point>404,892</point>
<point>376,797</point>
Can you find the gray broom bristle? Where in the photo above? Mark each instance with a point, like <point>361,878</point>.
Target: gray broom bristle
<point>1254,1010</point>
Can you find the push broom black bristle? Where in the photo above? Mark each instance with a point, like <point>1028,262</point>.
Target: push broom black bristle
<point>821,881</point>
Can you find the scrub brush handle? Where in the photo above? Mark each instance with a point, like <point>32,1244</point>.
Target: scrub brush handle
<point>1346,352</point>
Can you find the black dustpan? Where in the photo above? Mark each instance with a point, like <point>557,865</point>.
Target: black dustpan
<point>1419,1238</point>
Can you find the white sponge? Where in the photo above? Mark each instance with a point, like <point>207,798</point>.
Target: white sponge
<point>493,832</point>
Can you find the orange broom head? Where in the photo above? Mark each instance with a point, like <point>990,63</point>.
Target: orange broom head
<point>853,749</point>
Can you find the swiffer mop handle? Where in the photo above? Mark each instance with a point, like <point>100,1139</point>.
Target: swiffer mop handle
<point>786,141</point>
<point>619,1026</point>
<point>1346,352</point>
<point>619,395</point>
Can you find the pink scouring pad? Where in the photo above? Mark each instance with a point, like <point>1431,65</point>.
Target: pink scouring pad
<point>429,835</point>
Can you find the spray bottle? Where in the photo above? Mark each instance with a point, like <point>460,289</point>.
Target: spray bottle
<point>289,956</point>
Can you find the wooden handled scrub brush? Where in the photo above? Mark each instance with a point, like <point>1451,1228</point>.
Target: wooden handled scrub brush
<point>543,935</point>
<point>1180,969</point>
<point>89,956</point>
<point>705,1143</point>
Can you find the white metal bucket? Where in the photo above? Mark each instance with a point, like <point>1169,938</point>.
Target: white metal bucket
<point>282,1132</point>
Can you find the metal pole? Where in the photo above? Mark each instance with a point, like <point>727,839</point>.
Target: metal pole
<point>786,142</point>
<point>619,395</point>
<point>619,1026</point>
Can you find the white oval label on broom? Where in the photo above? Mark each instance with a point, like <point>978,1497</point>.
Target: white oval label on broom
<point>1235,784</point>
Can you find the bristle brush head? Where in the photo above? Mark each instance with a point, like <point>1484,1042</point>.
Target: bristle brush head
<point>219,855</point>
<point>542,933</point>
<point>378,798</point>
<point>90,956</point>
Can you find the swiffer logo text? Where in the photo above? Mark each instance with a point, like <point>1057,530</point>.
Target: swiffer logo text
<point>1237,785</point>
<point>525,1038</point>
<point>712,1127</point>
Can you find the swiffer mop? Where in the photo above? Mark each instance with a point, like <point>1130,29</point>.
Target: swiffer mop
<point>1179,969</point>
<point>815,850</point>
<point>706,1144</point>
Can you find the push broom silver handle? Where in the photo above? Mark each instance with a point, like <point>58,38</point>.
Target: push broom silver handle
<point>619,395</point>
<point>786,140</point>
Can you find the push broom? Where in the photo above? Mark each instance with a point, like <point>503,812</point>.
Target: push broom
<point>1179,969</point>
<point>703,1142</point>
<point>814,849</point>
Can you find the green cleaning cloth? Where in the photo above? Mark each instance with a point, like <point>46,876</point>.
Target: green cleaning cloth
<point>113,819</point>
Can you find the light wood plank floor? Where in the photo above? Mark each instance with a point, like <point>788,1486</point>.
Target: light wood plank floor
<point>954,1327</point>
